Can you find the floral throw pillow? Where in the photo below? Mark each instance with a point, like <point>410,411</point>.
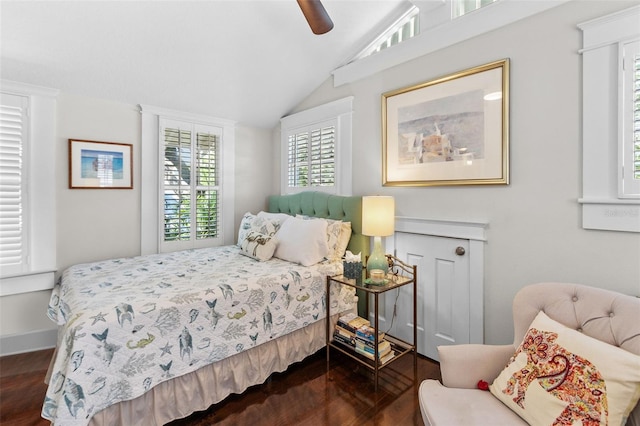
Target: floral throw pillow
<point>559,376</point>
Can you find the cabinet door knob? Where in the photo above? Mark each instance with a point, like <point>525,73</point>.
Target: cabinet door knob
<point>460,251</point>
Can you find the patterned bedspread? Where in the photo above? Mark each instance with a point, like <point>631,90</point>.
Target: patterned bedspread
<point>128,324</point>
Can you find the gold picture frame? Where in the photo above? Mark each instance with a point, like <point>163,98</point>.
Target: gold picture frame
<point>100,165</point>
<point>453,130</point>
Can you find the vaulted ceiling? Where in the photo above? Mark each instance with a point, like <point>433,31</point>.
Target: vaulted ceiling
<point>250,61</point>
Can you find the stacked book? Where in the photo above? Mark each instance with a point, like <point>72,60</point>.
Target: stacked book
<point>345,331</point>
<point>365,344</point>
<point>356,333</point>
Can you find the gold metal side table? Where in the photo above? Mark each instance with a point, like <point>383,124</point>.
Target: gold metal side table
<point>400,274</point>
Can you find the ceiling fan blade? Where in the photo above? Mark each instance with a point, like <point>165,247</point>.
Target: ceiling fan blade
<point>316,16</point>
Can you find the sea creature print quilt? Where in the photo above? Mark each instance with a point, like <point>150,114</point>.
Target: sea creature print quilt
<point>128,324</point>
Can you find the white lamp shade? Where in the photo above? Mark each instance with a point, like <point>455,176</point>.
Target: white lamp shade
<point>378,215</point>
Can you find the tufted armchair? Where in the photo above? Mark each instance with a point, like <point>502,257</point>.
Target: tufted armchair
<point>605,315</point>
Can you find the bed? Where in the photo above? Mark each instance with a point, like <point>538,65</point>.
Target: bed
<point>154,338</point>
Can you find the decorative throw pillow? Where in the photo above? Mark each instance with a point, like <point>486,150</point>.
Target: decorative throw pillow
<point>334,231</point>
<point>245,227</point>
<point>259,246</point>
<point>261,225</point>
<point>560,376</point>
<point>345,237</point>
<point>302,241</point>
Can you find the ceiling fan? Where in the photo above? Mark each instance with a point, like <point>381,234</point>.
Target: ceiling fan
<point>316,16</point>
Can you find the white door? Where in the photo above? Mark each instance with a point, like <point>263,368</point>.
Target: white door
<point>443,293</point>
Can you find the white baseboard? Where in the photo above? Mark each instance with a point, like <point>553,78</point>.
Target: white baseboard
<point>28,342</point>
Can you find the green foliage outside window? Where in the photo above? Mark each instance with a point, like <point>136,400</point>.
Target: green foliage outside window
<point>179,189</point>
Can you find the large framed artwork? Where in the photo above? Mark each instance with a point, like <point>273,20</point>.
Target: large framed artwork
<point>453,130</point>
<point>100,165</point>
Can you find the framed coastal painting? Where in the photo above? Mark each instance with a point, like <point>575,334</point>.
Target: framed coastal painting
<point>453,130</point>
<point>100,165</point>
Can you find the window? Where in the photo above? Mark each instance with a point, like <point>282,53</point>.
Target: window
<point>13,137</point>
<point>438,29</point>
<point>316,149</point>
<point>187,197</point>
<point>629,185</point>
<point>404,28</point>
<point>312,156</point>
<point>462,7</point>
<point>190,182</point>
<point>27,189</point>
<point>610,112</point>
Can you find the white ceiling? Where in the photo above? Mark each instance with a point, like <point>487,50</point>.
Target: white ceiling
<point>247,61</point>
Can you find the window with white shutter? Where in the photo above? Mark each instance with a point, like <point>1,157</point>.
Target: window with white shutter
<point>13,137</point>
<point>611,122</point>
<point>312,156</point>
<point>298,160</point>
<point>187,185</point>
<point>635,144</point>
<point>316,149</point>
<point>190,184</point>
<point>629,184</point>
<point>27,187</point>
<point>323,156</point>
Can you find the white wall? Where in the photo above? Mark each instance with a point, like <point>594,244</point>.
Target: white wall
<point>535,231</point>
<point>100,224</point>
<point>95,224</point>
<point>254,171</point>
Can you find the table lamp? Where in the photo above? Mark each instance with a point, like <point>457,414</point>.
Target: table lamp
<point>378,220</point>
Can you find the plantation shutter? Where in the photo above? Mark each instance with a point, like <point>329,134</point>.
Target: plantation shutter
<point>207,193</point>
<point>191,187</point>
<point>299,160</point>
<point>177,189</point>
<point>636,114</point>
<point>312,156</point>
<point>323,157</point>
<point>630,145</point>
<point>13,126</point>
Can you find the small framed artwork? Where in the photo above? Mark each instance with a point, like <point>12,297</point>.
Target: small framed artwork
<point>453,130</point>
<point>100,165</point>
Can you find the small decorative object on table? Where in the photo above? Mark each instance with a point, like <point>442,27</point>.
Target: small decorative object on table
<point>377,276</point>
<point>352,264</point>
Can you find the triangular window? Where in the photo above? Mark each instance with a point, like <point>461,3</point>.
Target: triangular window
<point>404,28</point>
<point>462,7</point>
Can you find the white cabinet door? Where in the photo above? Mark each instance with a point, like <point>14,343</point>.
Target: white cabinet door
<point>443,293</point>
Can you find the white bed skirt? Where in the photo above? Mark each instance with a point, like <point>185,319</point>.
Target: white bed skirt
<point>197,391</point>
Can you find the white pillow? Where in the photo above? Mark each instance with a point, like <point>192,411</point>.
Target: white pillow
<point>259,246</point>
<point>558,373</point>
<point>280,218</point>
<point>338,236</point>
<point>302,241</point>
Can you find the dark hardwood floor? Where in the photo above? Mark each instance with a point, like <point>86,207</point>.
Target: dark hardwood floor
<point>305,394</point>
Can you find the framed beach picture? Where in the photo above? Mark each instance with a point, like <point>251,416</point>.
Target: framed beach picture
<point>453,130</point>
<point>100,165</point>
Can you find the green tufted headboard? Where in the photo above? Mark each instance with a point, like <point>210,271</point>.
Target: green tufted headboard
<point>319,204</point>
